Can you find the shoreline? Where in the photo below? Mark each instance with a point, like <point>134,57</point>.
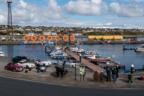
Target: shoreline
<point>112,42</point>
<point>83,42</point>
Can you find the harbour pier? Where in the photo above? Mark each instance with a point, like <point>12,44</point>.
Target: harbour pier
<point>95,68</point>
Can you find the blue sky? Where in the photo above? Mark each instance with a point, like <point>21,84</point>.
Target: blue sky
<point>91,13</point>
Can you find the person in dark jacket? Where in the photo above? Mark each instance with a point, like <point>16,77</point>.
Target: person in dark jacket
<point>108,71</point>
<point>117,71</point>
<point>114,72</point>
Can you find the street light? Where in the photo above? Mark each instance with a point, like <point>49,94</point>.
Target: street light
<point>80,57</point>
<point>68,43</point>
<point>76,67</point>
<point>75,72</point>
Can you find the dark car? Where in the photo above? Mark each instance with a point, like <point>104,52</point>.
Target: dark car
<point>41,68</point>
<point>14,67</point>
<point>19,58</point>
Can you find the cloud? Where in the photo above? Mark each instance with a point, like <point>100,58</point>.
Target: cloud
<point>26,13</point>
<point>85,7</point>
<point>22,4</point>
<point>54,10</point>
<point>2,19</point>
<point>133,9</point>
<point>29,12</point>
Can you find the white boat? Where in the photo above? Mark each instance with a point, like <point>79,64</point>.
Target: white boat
<point>58,48</point>
<point>55,52</point>
<point>140,48</point>
<point>92,57</point>
<point>46,63</point>
<point>76,49</point>
<point>61,55</point>
<point>2,53</point>
<point>80,50</point>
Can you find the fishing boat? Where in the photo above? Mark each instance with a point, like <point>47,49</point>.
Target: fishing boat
<point>77,50</point>
<point>55,52</point>
<point>89,54</point>
<point>74,49</point>
<point>58,54</point>
<point>97,58</point>
<point>2,54</point>
<point>140,48</point>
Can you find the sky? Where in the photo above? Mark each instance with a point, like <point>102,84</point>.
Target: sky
<point>75,13</point>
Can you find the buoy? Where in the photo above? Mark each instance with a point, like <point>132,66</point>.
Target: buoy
<point>42,38</point>
<point>65,38</point>
<point>49,37</point>
<point>26,38</point>
<point>33,38</point>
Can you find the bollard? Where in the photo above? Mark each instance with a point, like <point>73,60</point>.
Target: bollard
<point>97,77</point>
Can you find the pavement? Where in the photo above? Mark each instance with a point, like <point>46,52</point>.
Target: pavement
<point>11,87</point>
<point>68,80</point>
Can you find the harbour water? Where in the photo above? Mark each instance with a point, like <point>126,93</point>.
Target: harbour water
<point>115,51</point>
<point>125,57</point>
<point>30,51</point>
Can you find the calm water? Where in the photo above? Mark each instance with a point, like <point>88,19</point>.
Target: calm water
<point>116,51</point>
<point>30,51</point>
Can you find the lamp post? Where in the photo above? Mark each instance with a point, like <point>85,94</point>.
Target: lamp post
<point>9,28</point>
<point>68,43</point>
<point>9,19</point>
<point>80,58</point>
<point>75,72</point>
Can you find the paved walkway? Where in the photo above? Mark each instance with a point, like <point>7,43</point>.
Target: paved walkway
<point>69,79</point>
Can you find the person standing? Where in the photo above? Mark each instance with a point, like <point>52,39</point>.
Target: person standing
<point>132,69</point>
<point>114,77</point>
<point>82,71</point>
<point>108,71</point>
<point>117,71</point>
<point>130,76</point>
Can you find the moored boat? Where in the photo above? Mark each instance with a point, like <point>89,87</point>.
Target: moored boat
<point>2,54</point>
<point>140,48</point>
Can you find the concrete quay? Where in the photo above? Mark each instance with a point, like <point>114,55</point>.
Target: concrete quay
<point>69,79</point>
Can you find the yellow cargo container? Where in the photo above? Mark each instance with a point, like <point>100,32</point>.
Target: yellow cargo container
<point>98,37</point>
<point>91,37</point>
<point>105,37</point>
<point>118,37</point>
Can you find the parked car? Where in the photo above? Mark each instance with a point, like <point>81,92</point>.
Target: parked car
<point>14,67</point>
<point>46,63</point>
<point>19,59</point>
<point>29,65</point>
<point>41,68</point>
